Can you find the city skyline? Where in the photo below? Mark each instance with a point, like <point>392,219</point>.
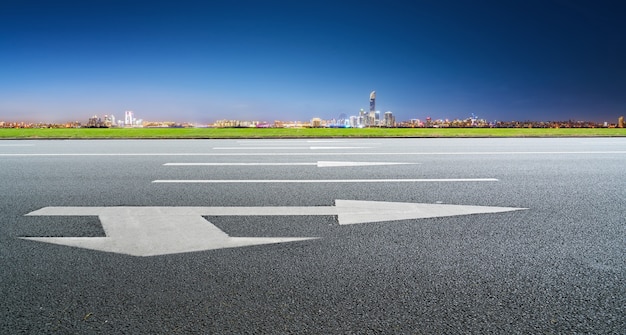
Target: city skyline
<point>189,61</point>
<point>372,118</point>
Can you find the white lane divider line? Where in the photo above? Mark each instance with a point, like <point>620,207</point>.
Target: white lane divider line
<point>288,148</point>
<point>320,164</point>
<point>305,181</point>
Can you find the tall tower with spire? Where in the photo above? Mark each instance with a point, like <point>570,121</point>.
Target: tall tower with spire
<point>372,116</point>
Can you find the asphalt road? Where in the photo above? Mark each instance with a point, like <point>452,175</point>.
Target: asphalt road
<point>556,267</point>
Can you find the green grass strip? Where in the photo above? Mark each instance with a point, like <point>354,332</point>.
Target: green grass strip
<point>217,133</point>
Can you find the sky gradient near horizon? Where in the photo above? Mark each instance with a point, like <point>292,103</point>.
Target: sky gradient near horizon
<point>200,61</point>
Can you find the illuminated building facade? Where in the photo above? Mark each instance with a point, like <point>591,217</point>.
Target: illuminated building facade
<point>129,119</point>
<point>371,120</point>
<point>390,121</point>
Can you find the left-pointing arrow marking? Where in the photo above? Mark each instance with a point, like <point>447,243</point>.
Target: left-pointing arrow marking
<point>160,234</point>
<point>149,231</point>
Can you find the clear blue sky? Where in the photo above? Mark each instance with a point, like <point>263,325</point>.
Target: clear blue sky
<point>200,61</point>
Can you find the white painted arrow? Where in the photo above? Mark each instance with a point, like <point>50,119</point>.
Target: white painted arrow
<point>320,164</point>
<point>149,231</point>
<point>151,235</point>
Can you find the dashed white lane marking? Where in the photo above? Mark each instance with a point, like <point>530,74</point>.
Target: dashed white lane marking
<point>278,141</point>
<point>288,148</point>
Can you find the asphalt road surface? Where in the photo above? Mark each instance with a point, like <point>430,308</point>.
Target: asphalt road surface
<point>250,236</point>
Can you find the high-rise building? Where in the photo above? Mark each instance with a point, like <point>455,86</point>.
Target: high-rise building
<point>109,121</point>
<point>372,116</point>
<point>620,122</point>
<point>390,121</point>
<point>354,121</point>
<point>94,122</point>
<point>316,122</point>
<point>129,119</point>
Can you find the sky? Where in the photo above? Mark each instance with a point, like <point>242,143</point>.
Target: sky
<point>201,61</point>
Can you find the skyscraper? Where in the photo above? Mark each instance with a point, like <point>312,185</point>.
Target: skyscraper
<point>390,121</point>
<point>372,116</point>
<point>129,119</point>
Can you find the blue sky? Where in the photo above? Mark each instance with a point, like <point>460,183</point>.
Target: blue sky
<point>199,61</point>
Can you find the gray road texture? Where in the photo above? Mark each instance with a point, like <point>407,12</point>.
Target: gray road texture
<point>558,267</point>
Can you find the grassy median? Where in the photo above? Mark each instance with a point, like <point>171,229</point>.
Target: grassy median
<point>216,133</point>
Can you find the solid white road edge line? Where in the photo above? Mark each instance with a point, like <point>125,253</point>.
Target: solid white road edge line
<point>320,164</point>
<point>252,181</point>
<point>320,154</point>
<point>288,148</point>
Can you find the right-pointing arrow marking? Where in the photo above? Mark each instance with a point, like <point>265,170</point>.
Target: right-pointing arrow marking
<point>355,211</point>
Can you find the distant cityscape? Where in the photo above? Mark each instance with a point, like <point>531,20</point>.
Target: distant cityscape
<point>364,119</point>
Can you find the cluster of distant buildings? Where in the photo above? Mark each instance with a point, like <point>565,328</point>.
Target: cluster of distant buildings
<point>364,119</point>
<point>109,121</point>
<point>371,118</point>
